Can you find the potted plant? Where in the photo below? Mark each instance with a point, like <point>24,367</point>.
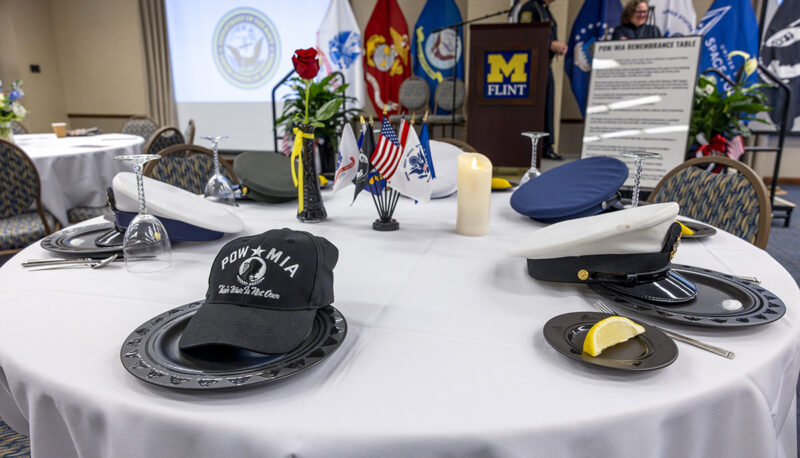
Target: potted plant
<point>11,109</point>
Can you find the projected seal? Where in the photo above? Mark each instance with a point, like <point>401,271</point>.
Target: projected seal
<point>246,47</point>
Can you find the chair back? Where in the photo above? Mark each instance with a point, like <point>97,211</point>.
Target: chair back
<point>18,128</point>
<point>735,202</point>
<point>162,139</point>
<point>443,95</point>
<point>19,183</point>
<point>189,133</point>
<point>141,126</point>
<point>414,94</point>
<point>188,167</point>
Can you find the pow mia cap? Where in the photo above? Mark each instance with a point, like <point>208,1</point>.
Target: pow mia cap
<point>264,292</point>
<point>266,175</point>
<point>573,190</point>
<point>628,247</point>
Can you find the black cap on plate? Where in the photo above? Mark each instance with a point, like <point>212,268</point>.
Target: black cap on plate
<point>264,292</point>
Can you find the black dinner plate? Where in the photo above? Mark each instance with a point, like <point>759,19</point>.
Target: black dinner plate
<point>722,301</point>
<point>648,351</point>
<point>80,241</point>
<point>151,354</point>
<point>700,230</point>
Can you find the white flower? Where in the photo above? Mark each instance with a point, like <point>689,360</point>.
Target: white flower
<point>18,110</point>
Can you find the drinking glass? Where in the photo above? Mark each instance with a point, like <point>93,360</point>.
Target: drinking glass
<point>640,157</point>
<point>532,172</point>
<point>218,187</point>
<point>145,245</point>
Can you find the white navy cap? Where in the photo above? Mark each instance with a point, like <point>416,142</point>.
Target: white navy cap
<point>627,246</point>
<point>445,160</point>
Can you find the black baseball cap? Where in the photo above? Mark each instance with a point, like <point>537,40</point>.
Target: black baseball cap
<point>264,292</point>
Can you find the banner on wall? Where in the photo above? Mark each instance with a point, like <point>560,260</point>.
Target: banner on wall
<point>438,55</point>
<point>674,18</point>
<point>780,52</point>
<point>729,25</point>
<point>387,62</point>
<point>339,44</point>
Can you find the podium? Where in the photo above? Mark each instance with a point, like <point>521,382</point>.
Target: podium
<point>507,89</point>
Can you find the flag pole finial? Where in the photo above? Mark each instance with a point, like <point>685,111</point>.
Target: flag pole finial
<point>413,116</point>
<point>362,120</point>
<point>370,120</point>
<point>425,118</point>
<point>385,109</point>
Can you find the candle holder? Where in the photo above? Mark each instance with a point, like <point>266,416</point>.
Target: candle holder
<point>385,200</point>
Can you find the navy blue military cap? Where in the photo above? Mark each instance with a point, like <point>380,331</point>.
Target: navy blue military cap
<point>573,190</point>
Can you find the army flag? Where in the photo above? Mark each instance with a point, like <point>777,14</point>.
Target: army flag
<point>438,55</point>
<point>364,166</point>
<point>596,19</point>
<point>346,159</point>
<point>388,59</point>
<point>780,52</point>
<point>729,25</point>
<point>413,175</point>
<point>339,45</point>
<point>674,18</point>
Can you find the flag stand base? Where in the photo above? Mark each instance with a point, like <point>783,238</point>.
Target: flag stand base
<point>385,225</point>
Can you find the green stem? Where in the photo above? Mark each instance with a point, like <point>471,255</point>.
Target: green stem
<point>308,87</point>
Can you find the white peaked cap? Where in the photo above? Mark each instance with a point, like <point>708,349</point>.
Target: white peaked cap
<point>630,231</point>
<point>445,162</point>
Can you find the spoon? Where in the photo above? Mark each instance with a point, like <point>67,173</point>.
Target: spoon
<point>93,265</point>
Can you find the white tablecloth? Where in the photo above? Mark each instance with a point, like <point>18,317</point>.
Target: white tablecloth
<point>444,357</point>
<point>75,171</point>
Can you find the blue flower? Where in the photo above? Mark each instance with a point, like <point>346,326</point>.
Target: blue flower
<point>14,95</point>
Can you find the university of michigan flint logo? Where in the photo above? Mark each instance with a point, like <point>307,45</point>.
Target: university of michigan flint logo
<point>506,75</point>
<point>246,47</point>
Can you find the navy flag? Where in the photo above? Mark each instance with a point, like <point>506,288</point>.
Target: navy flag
<point>596,21</point>
<point>437,55</point>
<point>780,52</point>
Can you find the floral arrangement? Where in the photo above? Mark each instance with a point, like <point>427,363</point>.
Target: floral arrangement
<point>306,64</point>
<point>10,107</point>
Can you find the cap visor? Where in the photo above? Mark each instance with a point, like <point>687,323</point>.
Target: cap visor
<point>255,329</point>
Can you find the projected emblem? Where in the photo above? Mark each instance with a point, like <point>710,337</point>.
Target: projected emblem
<point>246,47</point>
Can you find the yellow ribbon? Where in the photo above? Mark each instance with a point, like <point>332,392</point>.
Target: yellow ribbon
<point>297,175</point>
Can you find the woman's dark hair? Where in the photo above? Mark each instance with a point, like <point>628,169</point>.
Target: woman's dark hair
<point>630,10</point>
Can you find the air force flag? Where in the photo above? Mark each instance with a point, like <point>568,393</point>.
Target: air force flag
<point>674,18</point>
<point>729,25</point>
<point>339,44</point>
<point>595,19</point>
<point>437,55</point>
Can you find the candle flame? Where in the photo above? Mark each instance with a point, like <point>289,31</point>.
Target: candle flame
<point>474,163</point>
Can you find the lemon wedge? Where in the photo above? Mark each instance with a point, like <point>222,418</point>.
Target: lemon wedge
<point>685,230</point>
<point>322,180</point>
<point>500,183</point>
<point>608,332</point>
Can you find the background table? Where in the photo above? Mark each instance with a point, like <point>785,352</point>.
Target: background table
<point>444,357</point>
<point>75,171</point>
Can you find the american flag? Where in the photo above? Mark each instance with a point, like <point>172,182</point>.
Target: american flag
<point>387,154</point>
<point>735,147</point>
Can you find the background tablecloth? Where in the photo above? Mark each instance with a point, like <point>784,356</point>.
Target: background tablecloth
<point>444,357</point>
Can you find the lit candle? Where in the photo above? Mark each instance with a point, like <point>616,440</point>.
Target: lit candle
<point>474,194</point>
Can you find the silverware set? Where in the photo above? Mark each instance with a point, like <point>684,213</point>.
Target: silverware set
<point>61,263</point>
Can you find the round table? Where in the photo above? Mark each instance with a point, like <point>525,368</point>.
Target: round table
<point>444,357</point>
<point>75,171</point>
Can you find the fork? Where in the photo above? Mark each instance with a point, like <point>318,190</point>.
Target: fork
<point>600,305</point>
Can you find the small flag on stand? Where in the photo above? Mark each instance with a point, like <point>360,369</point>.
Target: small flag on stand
<point>364,166</point>
<point>424,140</point>
<point>346,160</point>
<point>412,176</point>
<point>387,154</point>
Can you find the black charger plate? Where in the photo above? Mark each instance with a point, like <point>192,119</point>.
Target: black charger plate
<point>715,291</point>
<point>152,355</point>
<point>645,352</point>
<point>700,230</point>
<point>80,241</point>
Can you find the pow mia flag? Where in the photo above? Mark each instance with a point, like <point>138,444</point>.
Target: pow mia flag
<point>780,52</point>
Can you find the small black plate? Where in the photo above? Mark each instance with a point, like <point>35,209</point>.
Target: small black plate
<point>80,241</point>
<point>722,301</point>
<point>151,354</point>
<point>700,230</point>
<point>645,352</point>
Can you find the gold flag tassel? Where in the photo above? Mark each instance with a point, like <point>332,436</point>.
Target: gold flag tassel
<point>297,175</point>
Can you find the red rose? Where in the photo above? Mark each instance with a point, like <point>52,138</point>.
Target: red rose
<point>305,63</point>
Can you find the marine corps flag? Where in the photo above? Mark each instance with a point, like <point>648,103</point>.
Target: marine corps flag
<point>387,62</point>
<point>437,55</point>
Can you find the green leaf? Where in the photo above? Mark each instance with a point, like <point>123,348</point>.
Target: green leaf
<point>317,124</point>
<point>328,109</point>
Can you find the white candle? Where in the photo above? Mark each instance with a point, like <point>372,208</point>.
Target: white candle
<point>474,194</point>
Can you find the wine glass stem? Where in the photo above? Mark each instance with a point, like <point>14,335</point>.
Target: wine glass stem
<point>534,142</point>
<point>140,188</point>
<point>637,178</point>
<point>216,160</point>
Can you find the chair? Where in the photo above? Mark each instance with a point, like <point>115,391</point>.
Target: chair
<point>443,99</point>
<point>735,202</point>
<point>414,95</point>
<point>18,128</point>
<point>77,214</point>
<point>141,126</point>
<point>188,167</point>
<point>163,138</point>
<point>19,189</point>
<point>189,133</point>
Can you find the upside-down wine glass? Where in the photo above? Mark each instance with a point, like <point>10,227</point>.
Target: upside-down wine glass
<point>145,245</point>
<point>640,157</point>
<point>532,172</point>
<point>218,188</point>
